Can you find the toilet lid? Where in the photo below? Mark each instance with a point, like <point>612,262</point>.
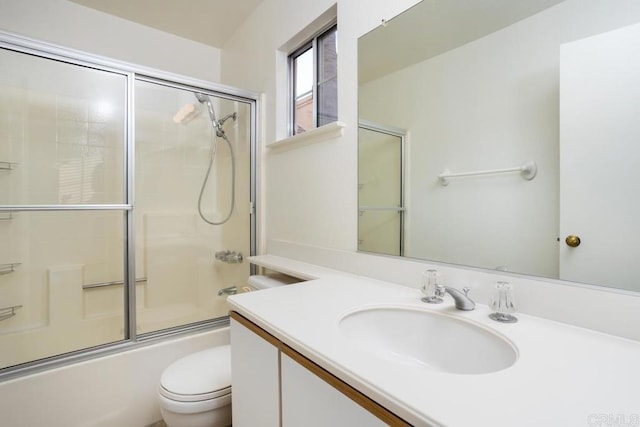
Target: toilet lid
<point>198,376</point>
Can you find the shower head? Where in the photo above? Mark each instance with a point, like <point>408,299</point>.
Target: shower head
<point>233,116</point>
<point>204,99</point>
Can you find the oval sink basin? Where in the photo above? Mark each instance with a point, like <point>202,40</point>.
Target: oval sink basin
<point>428,340</point>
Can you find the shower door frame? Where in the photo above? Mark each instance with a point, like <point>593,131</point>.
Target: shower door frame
<point>132,73</point>
<point>401,134</point>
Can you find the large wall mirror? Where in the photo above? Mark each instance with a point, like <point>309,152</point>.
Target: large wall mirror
<point>522,145</point>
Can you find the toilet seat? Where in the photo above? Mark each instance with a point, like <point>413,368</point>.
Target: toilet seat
<point>181,407</point>
<point>194,397</point>
<point>198,377</point>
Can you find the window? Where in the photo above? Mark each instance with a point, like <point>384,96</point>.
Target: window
<point>314,82</point>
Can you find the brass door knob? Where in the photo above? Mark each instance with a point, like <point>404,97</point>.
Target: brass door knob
<point>572,241</point>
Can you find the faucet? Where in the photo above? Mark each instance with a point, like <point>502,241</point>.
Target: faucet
<point>461,298</point>
<point>231,257</point>
<point>232,290</point>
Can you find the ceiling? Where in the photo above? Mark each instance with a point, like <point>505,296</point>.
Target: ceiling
<point>210,22</point>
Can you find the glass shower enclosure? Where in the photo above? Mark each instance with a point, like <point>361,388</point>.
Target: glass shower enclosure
<point>381,204</point>
<point>115,188</point>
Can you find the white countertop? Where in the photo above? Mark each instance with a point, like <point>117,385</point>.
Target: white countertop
<point>564,376</point>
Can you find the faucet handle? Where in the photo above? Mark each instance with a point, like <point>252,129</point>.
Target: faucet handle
<point>466,290</point>
<point>433,292</point>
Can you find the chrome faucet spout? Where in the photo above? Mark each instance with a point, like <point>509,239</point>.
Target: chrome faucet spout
<point>232,290</point>
<point>461,298</point>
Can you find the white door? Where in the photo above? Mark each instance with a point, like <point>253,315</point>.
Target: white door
<point>600,159</point>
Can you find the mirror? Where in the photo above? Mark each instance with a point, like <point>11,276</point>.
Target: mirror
<point>522,129</point>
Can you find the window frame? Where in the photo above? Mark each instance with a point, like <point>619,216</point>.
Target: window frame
<point>312,44</point>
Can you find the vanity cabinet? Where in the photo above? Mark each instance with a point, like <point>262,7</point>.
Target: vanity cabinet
<point>273,385</point>
<point>255,389</point>
<point>309,401</point>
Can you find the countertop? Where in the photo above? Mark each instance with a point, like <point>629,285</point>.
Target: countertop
<point>564,375</point>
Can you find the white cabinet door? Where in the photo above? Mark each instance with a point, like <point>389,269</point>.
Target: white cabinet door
<point>310,402</point>
<point>255,379</point>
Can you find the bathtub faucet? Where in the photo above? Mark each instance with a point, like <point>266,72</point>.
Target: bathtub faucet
<point>232,290</point>
<point>231,257</point>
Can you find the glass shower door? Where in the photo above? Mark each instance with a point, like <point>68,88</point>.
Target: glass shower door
<point>62,207</point>
<point>181,147</point>
<point>125,204</point>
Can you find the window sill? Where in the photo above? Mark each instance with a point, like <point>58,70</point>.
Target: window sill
<point>323,133</point>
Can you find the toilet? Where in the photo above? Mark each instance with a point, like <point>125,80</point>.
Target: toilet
<point>195,391</point>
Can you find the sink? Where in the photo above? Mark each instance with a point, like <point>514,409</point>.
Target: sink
<point>427,340</point>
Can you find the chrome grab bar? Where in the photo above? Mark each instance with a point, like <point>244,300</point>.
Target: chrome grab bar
<point>8,268</point>
<point>8,312</point>
<point>7,166</point>
<point>105,284</point>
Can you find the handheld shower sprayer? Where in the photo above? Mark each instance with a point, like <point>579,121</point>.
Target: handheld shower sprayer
<point>217,124</point>
<point>218,131</point>
<point>204,99</point>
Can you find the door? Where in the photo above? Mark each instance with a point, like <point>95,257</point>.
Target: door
<point>600,158</point>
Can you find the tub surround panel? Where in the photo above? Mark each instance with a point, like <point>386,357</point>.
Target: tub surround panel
<point>550,353</point>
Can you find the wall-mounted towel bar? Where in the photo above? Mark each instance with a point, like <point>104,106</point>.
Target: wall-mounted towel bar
<point>8,268</point>
<point>527,170</point>
<point>8,312</point>
<point>105,284</point>
<point>7,166</point>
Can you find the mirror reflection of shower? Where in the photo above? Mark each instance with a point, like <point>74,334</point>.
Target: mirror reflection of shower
<point>217,132</point>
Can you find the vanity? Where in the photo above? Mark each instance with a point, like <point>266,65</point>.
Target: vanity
<point>342,349</point>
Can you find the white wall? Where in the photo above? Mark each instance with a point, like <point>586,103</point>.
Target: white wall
<point>77,27</point>
<point>310,191</point>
